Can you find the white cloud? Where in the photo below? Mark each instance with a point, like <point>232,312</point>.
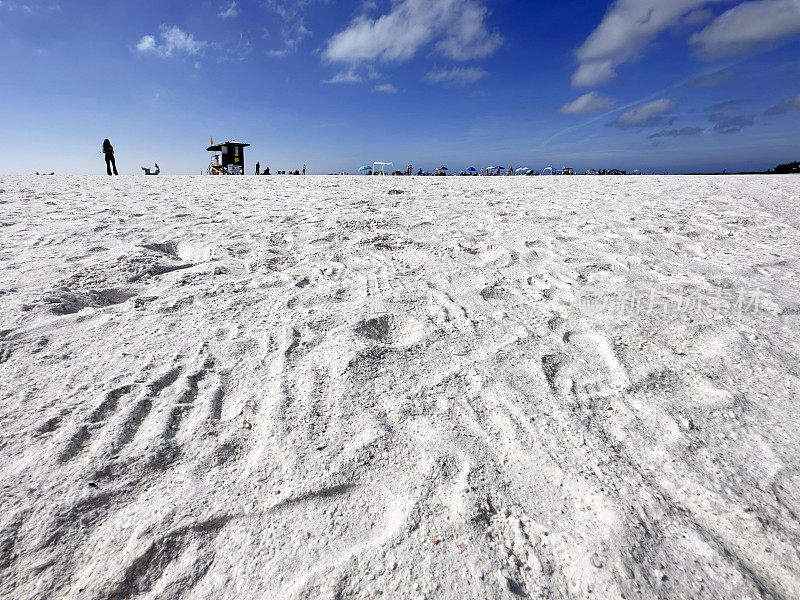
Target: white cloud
<point>344,77</point>
<point>588,104</point>
<point>645,115</point>
<point>231,12</point>
<point>385,88</point>
<point>626,29</point>
<point>457,75</point>
<point>146,44</point>
<point>788,105</point>
<point>748,25</point>
<point>173,41</point>
<point>457,26</point>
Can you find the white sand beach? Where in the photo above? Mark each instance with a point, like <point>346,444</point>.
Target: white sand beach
<point>366,387</point>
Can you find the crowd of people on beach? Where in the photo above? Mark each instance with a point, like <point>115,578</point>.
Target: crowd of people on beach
<point>111,169</point>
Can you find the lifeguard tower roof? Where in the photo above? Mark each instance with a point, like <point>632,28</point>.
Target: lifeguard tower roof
<point>218,147</point>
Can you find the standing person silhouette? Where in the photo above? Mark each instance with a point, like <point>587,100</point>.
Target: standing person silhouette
<point>108,151</point>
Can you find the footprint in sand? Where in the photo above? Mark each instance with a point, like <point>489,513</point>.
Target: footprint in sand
<point>391,330</point>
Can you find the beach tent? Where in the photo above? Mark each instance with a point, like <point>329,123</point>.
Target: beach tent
<point>547,171</point>
<point>382,168</point>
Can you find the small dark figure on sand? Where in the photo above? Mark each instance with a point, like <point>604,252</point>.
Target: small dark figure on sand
<point>258,168</point>
<point>108,151</point>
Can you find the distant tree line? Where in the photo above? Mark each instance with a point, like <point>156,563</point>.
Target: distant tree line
<point>793,167</point>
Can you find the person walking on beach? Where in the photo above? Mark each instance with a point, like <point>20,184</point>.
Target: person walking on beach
<point>258,168</point>
<point>304,169</point>
<point>108,151</point>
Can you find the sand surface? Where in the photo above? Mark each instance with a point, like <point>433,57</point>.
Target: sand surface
<point>287,387</point>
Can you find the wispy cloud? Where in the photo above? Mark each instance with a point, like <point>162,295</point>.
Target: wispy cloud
<point>30,7</point>
<point>746,26</point>
<point>457,75</point>
<point>785,106</point>
<point>293,28</point>
<point>646,115</point>
<point>173,40</point>
<point>345,77</point>
<point>231,12</point>
<point>458,27</point>
<point>588,104</point>
<point>385,88</point>
<point>685,131</point>
<point>711,80</point>
<point>730,121</point>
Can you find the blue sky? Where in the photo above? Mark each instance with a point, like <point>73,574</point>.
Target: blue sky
<point>677,85</point>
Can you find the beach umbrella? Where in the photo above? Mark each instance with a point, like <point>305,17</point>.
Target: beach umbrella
<point>365,168</point>
<point>523,170</point>
<point>443,169</point>
<point>473,169</point>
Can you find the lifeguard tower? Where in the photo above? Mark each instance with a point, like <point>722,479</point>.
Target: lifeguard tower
<point>228,158</point>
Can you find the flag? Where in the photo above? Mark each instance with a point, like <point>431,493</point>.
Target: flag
<point>212,141</point>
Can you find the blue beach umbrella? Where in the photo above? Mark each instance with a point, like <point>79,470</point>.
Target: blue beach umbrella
<point>365,168</point>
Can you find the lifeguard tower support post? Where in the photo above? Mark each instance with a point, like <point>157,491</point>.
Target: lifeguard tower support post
<point>228,158</point>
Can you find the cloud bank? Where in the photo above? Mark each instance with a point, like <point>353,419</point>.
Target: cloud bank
<point>629,26</point>
<point>747,26</point>
<point>458,27</point>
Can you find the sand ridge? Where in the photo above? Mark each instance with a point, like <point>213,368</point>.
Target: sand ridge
<point>295,387</point>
